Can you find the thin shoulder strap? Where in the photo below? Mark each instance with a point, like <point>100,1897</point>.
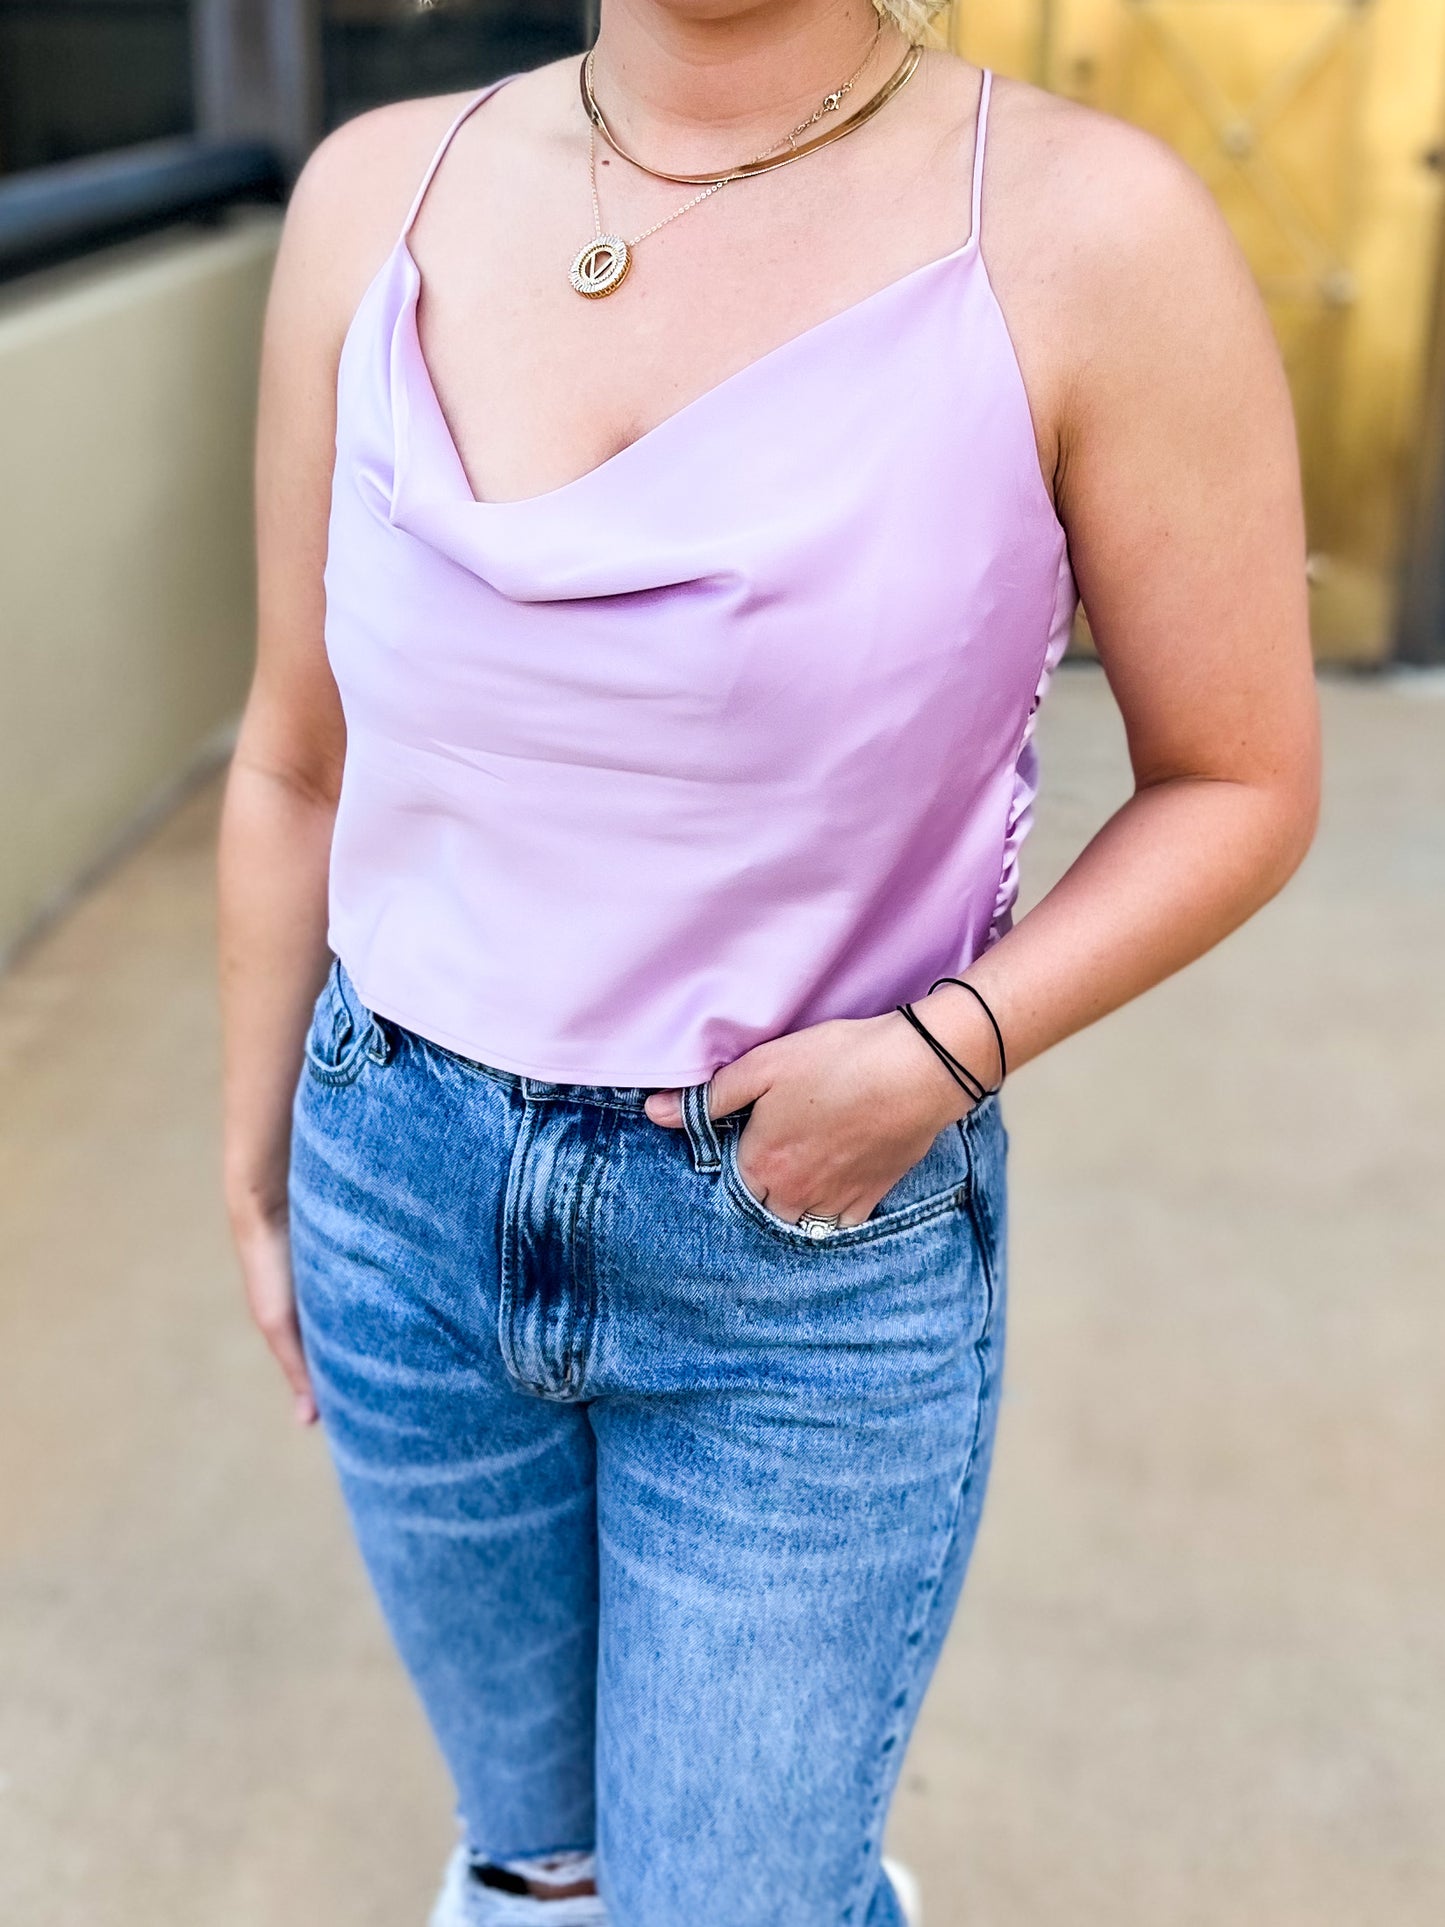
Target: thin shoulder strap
<point>980,141</point>
<point>447,138</point>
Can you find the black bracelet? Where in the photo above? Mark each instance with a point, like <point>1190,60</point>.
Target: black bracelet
<point>963,984</point>
<point>960,1073</point>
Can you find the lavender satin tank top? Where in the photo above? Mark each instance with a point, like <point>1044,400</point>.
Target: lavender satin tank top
<point>731,735</point>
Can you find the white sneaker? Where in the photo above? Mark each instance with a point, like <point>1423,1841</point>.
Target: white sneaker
<point>462,1902</point>
<point>450,1909</point>
<point>905,1884</point>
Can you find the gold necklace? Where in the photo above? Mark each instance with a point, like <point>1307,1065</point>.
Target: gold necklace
<point>600,266</point>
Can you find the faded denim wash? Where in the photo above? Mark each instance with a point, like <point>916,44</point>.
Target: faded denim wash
<point>667,1504</point>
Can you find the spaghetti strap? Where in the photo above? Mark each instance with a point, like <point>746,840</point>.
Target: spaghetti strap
<point>447,138</point>
<point>980,141</point>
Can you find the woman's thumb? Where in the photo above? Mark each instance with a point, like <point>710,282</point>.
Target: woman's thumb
<point>731,1087</point>
<point>739,1083</point>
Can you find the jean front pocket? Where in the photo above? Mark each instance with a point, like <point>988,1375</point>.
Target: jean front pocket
<point>344,1036</point>
<point>937,1184</point>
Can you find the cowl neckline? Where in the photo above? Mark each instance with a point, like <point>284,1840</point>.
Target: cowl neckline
<point>418,390</point>
<point>719,466</point>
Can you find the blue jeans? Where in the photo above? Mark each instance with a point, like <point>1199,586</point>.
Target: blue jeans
<point>666,1503</point>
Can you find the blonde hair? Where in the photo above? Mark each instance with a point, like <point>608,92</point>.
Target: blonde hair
<point>913,18</point>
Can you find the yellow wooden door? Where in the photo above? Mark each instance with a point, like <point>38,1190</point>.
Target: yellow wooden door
<point>1318,125</point>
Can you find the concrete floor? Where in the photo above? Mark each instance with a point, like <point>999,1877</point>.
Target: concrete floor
<point>1199,1672</point>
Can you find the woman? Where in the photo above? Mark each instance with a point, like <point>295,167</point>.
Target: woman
<point>662,561</point>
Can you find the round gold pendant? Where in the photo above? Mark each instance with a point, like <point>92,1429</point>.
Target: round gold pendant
<point>601,266</point>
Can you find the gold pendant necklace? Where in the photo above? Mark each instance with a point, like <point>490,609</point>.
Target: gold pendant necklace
<point>600,265</point>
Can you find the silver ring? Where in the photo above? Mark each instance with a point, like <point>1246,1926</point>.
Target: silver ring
<point>813,1224</point>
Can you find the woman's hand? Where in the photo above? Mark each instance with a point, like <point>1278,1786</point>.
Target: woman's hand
<point>840,1112</point>
<point>264,1248</point>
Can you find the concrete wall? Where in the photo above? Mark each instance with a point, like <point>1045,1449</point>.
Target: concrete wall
<point>126,603</point>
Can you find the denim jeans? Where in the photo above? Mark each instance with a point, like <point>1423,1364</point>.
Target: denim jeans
<point>666,1503</point>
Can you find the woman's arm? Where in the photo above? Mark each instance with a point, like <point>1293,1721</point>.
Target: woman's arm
<point>285,777</point>
<point>1178,485</point>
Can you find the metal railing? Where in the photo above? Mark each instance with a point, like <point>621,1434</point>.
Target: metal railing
<point>54,213</point>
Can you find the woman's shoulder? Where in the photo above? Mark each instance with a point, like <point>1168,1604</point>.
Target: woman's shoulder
<point>1092,176</point>
<point>1088,216</point>
<point>1107,254</point>
<point>387,149</point>
<point>351,200</point>
<point>1105,204</point>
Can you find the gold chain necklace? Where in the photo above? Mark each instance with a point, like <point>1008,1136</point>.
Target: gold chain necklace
<point>600,266</point>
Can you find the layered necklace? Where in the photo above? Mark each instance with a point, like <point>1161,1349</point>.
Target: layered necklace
<point>600,266</point>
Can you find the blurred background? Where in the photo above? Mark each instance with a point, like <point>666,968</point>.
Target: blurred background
<point>1199,1673</point>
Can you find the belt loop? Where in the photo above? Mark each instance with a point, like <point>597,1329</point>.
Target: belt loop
<point>702,1137</point>
<point>378,1043</point>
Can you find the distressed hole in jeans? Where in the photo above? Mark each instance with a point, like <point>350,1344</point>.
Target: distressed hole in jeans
<point>546,1879</point>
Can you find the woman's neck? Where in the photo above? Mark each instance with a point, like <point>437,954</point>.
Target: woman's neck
<point>691,89</point>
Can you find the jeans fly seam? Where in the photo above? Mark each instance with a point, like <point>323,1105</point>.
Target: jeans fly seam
<point>511,1265</point>
<point>581,1251</point>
